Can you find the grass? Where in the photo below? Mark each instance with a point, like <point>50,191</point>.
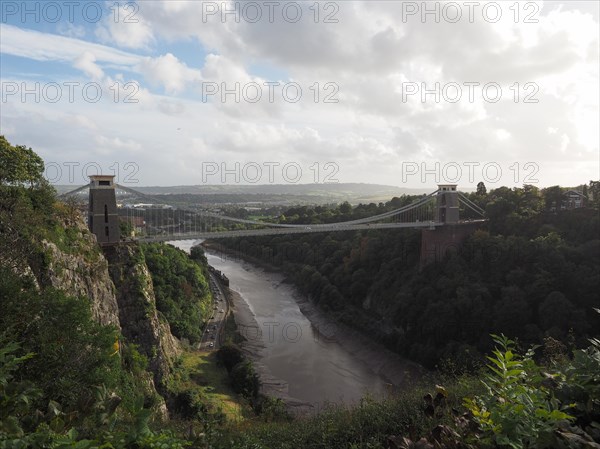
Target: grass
<point>212,382</point>
<point>364,426</point>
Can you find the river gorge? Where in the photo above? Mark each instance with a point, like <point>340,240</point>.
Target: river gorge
<point>306,362</point>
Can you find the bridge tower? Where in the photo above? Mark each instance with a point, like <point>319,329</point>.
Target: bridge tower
<point>447,204</point>
<point>436,243</point>
<point>103,217</point>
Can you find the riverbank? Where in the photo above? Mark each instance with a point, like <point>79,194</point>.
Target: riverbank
<point>398,371</point>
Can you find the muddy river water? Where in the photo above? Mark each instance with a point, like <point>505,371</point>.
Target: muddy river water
<point>304,360</point>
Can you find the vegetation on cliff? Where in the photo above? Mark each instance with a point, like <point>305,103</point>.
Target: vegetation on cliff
<point>181,290</point>
<point>64,376</point>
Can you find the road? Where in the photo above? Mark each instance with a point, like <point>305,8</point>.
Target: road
<point>212,332</point>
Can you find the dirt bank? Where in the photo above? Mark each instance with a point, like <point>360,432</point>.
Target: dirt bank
<point>253,348</point>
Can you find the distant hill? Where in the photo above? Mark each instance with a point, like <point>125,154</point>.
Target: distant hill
<point>351,192</point>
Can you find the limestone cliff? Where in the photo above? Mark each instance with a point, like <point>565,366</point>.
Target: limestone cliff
<point>118,286</point>
<point>140,321</point>
<point>73,263</point>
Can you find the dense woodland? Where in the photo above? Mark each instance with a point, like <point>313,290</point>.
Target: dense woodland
<point>532,272</point>
<point>69,382</point>
<point>181,290</point>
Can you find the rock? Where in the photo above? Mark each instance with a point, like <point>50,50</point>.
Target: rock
<point>140,321</point>
<point>80,271</point>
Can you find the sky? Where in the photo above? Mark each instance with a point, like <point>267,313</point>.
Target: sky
<point>409,94</point>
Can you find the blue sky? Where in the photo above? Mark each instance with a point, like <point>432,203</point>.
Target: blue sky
<point>373,89</point>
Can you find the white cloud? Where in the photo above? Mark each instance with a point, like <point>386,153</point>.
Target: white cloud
<point>125,28</point>
<point>71,30</point>
<point>40,46</point>
<point>86,62</point>
<point>113,144</point>
<point>169,72</point>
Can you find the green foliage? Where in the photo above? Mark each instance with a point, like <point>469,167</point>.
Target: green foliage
<point>230,355</point>
<point>517,410</point>
<point>133,360</point>
<point>578,384</point>
<point>19,165</point>
<point>197,254</point>
<point>181,289</point>
<point>366,425</point>
<point>15,396</point>
<point>23,426</point>
<point>26,203</point>
<point>126,228</point>
<point>271,409</point>
<point>244,379</point>
<point>481,189</point>
<point>72,350</point>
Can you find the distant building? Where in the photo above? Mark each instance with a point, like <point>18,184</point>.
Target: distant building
<point>147,206</point>
<point>573,200</point>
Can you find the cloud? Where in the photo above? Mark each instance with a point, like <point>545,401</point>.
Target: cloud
<point>86,62</point>
<point>113,144</point>
<point>40,46</point>
<point>125,28</point>
<point>71,30</point>
<point>169,72</point>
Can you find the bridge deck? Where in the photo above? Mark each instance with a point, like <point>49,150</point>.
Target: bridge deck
<point>287,231</point>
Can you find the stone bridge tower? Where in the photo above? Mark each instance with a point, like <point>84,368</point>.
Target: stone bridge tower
<point>447,204</point>
<point>438,242</point>
<point>103,217</point>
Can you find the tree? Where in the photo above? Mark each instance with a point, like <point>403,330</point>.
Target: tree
<point>19,165</point>
<point>594,193</point>
<point>532,202</point>
<point>197,254</point>
<point>230,355</point>
<point>126,229</point>
<point>553,197</point>
<point>555,311</point>
<point>481,190</point>
<point>345,208</point>
<point>512,312</point>
<point>244,379</point>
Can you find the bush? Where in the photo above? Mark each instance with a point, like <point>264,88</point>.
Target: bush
<point>244,379</point>
<point>230,355</point>
<point>519,410</point>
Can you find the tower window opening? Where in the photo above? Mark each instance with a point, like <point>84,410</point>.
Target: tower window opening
<point>105,213</point>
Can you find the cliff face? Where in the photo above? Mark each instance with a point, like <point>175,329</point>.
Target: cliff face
<point>79,269</point>
<point>118,285</point>
<point>140,321</point>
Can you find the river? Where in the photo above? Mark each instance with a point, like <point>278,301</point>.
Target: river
<point>313,367</point>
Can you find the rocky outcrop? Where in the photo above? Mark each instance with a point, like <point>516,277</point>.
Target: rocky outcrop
<point>78,268</point>
<point>118,286</point>
<point>140,321</point>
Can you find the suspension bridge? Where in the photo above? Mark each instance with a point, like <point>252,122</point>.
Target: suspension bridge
<point>158,218</point>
